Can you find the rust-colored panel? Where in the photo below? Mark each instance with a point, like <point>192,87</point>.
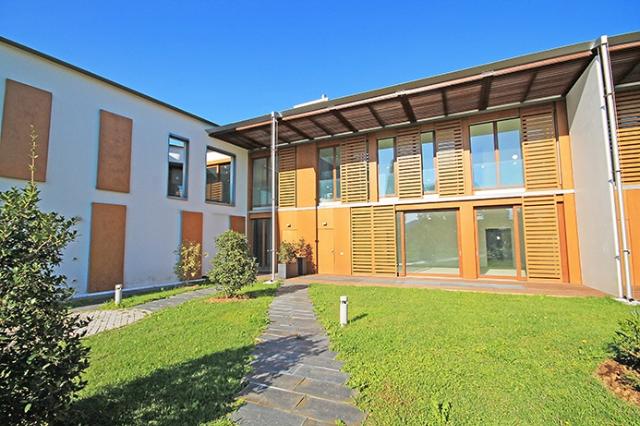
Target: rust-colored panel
<point>237,223</point>
<point>192,226</point>
<point>573,244</point>
<point>632,204</point>
<point>106,260</point>
<point>467,236</point>
<point>306,162</point>
<point>24,106</point>
<point>114,157</point>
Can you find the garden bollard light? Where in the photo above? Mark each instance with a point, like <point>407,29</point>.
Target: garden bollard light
<point>118,294</point>
<point>344,310</point>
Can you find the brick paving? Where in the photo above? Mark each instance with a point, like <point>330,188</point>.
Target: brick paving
<point>296,379</point>
<point>100,321</point>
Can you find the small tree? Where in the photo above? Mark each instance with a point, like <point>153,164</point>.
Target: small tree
<point>233,267</point>
<point>189,263</point>
<point>41,355</point>
<point>626,342</point>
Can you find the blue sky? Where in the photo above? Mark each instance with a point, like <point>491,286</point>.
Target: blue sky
<point>230,60</point>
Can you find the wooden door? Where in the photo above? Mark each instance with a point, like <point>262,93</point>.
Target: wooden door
<point>326,251</point>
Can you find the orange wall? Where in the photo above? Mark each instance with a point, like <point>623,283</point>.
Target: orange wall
<point>632,204</point>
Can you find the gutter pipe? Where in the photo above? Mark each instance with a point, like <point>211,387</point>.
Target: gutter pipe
<point>274,139</point>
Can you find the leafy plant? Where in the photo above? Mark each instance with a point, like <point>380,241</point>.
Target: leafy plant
<point>440,411</point>
<point>233,267</point>
<point>287,252</point>
<point>189,263</point>
<point>626,342</point>
<point>303,249</point>
<point>41,355</point>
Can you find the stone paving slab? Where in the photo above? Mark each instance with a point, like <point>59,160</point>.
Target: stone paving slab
<point>100,321</point>
<point>296,379</point>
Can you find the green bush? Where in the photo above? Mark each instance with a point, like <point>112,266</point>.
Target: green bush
<point>626,343</point>
<point>287,252</point>
<point>189,263</point>
<point>233,267</point>
<point>41,355</point>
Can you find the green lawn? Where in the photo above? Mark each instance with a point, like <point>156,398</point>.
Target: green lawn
<point>138,299</point>
<point>494,359</point>
<point>180,366</point>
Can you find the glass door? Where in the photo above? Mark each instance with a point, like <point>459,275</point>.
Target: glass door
<point>261,243</point>
<point>500,242</point>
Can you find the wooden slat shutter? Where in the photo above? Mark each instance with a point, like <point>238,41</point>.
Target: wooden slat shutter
<point>449,158</point>
<point>542,238</point>
<point>539,148</point>
<point>409,161</point>
<point>287,177</point>
<point>214,191</point>
<point>373,240</point>
<point>628,111</point>
<point>354,185</point>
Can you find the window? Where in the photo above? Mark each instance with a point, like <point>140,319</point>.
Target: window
<point>496,154</point>
<point>220,178</point>
<point>386,159</point>
<point>431,242</point>
<point>428,162</point>
<point>178,154</point>
<point>329,173</point>
<point>261,188</point>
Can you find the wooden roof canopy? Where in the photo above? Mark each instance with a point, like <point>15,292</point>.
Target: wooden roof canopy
<point>520,81</point>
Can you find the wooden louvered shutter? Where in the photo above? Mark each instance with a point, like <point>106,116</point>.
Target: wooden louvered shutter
<point>287,177</point>
<point>450,158</point>
<point>628,111</point>
<point>409,163</point>
<point>362,240</point>
<point>542,238</point>
<point>354,185</point>
<point>373,240</point>
<point>539,148</point>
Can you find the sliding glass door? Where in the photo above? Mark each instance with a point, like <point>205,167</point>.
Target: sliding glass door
<point>500,242</point>
<point>261,243</point>
<point>431,242</point>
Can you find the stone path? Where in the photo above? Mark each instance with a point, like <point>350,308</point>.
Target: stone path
<point>100,321</point>
<point>296,379</point>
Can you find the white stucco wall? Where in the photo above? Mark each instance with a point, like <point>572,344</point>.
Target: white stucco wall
<point>153,219</point>
<point>593,205</point>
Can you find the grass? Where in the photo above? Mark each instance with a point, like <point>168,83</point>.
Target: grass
<point>428,356</point>
<point>180,366</point>
<point>139,299</point>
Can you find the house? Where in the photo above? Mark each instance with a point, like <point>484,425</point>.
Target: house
<point>504,172</point>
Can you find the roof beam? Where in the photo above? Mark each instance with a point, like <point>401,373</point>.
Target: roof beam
<point>485,91</point>
<point>295,130</point>
<point>248,141</point>
<point>337,114</point>
<point>408,111</point>
<point>320,126</point>
<point>534,74</point>
<point>375,115</point>
<point>628,72</point>
<point>445,104</point>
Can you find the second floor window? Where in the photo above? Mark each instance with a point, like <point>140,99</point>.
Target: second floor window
<point>178,154</point>
<point>386,160</point>
<point>496,154</point>
<point>219,187</point>
<point>428,162</point>
<point>261,187</point>
<point>329,173</point>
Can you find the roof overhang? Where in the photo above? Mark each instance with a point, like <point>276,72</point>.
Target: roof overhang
<point>524,80</point>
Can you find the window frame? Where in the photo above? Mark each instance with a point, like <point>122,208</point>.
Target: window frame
<point>335,198</point>
<point>496,153</point>
<point>185,169</point>
<point>433,161</point>
<point>267,158</point>
<point>394,167</point>
<point>232,177</point>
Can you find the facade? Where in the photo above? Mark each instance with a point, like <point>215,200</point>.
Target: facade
<point>140,175</point>
<point>503,172</point>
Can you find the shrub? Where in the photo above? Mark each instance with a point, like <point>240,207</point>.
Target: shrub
<point>303,249</point>
<point>41,355</point>
<point>626,343</point>
<point>189,263</point>
<point>233,267</point>
<point>287,252</point>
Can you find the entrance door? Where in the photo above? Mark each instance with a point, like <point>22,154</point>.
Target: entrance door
<point>261,243</point>
<point>326,251</point>
<point>500,242</point>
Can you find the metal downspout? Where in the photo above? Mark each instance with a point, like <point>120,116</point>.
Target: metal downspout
<point>274,139</point>
<point>603,51</point>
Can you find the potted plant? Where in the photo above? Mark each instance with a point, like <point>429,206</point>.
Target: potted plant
<point>303,255</point>
<point>287,265</point>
